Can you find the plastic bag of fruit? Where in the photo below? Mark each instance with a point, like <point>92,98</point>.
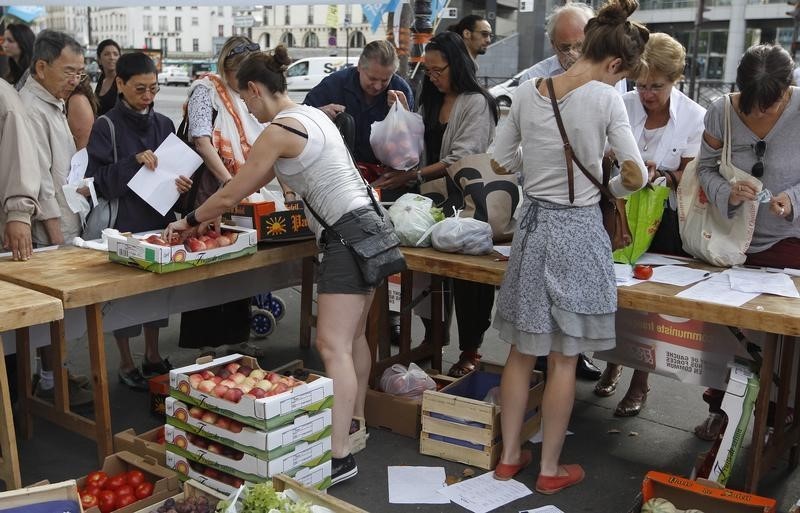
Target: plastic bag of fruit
<point>412,215</point>
<point>462,235</point>
<point>397,140</point>
<point>408,382</point>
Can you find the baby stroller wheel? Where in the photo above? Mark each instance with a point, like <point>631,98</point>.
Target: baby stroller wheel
<point>262,323</point>
<point>277,307</point>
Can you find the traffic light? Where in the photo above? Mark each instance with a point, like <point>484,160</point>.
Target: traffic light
<point>794,13</point>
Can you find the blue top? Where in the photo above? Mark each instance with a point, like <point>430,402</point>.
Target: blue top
<point>344,88</point>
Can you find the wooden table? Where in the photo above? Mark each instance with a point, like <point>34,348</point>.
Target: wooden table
<point>83,278</point>
<point>19,308</point>
<point>776,316</point>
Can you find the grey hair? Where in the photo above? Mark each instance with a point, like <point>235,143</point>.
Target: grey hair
<point>381,52</point>
<point>578,8</point>
<point>50,43</point>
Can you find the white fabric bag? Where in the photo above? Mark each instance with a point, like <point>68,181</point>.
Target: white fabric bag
<point>706,233</point>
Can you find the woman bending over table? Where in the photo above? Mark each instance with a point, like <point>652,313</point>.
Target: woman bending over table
<point>559,297</point>
<point>304,148</point>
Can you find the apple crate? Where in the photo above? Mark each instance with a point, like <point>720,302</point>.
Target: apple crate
<point>263,444</point>
<point>165,481</point>
<point>149,443</point>
<point>272,225</point>
<point>305,493</point>
<point>238,463</point>
<point>135,251</point>
<point>458,425</point>
<point>62,497</point>
<point>266,413</point>
<point>191,488</point>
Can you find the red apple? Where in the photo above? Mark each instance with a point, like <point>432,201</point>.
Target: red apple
<point>279,388</point>
<point>244,369</point>
<point>258,393</point>
<point>200,442</point>
<point>228,383</point>
<point>257,374</point>
<point>206,386</point>
<point>215,448</point>
<point>265,384</point>
<point>244,387</point>
<point>220,391</point>
<point>212,473</point>
<point>209,417</point>
<point>223,422</point>
<point>196,413</point>
<point>234,395</point>
<point>274,377</point>
<point>238,378</point>
<point>224,373</point>
<point>232,236</point>
<point>232,367</point>
<point>217,380</point>
<point>235,427</point>
<point>211,244</point>
<point>223,241</point>
<point>195,379</point>
<point>207,374</point>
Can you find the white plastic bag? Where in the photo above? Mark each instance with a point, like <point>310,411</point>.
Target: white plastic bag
<point>397,140</point>
<point>411,217</point>
<point>462,235</point>
<point>410,382</point>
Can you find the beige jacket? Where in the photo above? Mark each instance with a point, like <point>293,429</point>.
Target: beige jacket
<point>19,190</point>
<point>53,138</point>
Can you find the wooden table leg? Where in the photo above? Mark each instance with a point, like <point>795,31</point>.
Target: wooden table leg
<point>437,321</point>
<point>58,348</point>
<point>306,297</point>
<point>756,456</point>
<point>406,297</point>
<point>24,383</point>
<point>97,358</point>
<point>9,458</point>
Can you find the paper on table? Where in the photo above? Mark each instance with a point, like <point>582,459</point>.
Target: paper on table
<point>485,493</point>
<point>416,485</point>
<point>717,290</point>
<point>543,509</point>
<point>77,167</point>
<point>537,438</point>
<point>792,272</point>
<point>157,187</point>
<point>503,250</point>
<point>654,259</point>
<point>749,280</point>
<point>677,275</point>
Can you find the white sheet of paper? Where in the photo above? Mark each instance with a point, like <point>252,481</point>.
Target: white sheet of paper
<point>157,187</point>
<point>543,509</point>
<point>677,275</point>
<point>503,250</point>
<point>77,166</point>
<point>654,259</point>
<point>416,485</point>
<point>537,437</point>
<point>792,272</point>
<point>717,290</point>
<point>484,493</point>
<point>750,280</point>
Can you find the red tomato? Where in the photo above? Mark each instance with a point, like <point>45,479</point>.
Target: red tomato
<point>106,501</point>
<point>135,478</point>
<point>642,272</point>
<point>124,500</point>
<point>116,481</point>
<point>144,490</point>
<point>98,478</point>
<point>88,500</point>
<point>92,489</point>
<point>124,490</point>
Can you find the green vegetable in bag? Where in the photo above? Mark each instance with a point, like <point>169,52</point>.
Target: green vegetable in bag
<point>644,209</point>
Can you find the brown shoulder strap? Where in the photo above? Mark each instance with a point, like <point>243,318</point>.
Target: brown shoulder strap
<point>570,156</point>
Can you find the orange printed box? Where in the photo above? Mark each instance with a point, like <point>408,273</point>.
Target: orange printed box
<point>271,224</point>
<point>689,494</point>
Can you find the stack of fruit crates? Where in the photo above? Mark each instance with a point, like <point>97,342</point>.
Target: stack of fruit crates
<point>230,422</point>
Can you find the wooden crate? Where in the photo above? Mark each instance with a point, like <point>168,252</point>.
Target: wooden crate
<point>149,443</point>
<point>36,494</point>
<point>191,488</point>
<point>458,425</point>
<point>318,498</point>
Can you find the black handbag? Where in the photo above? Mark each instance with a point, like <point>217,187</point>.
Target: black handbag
<point>378,255</point>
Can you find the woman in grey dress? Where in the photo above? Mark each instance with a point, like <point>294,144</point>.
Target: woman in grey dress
<point>558,296</point>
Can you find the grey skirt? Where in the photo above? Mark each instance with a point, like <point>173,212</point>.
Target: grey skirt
<point>559,292</point>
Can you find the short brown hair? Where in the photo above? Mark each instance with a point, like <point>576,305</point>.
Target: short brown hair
<point>664,55</point>
<point>610,34</point>
<point>763,76</point>
<point>381,52</point>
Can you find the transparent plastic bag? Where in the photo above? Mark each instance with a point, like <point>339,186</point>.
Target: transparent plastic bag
<point>411,217</point>
<point>408,382</point>
<point>397,140</point>
<point>462,235</point>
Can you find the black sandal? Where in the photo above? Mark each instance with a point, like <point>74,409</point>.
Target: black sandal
<point>467,362</point>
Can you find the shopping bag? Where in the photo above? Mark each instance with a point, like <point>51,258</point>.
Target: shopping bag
<point>644,209</point>
<point>708,234</point>
<point>397,140</point>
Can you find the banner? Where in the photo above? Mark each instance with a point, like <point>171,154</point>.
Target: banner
<point>332,21</point>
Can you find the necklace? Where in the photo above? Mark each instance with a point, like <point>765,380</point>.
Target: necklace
<point>648,140</point>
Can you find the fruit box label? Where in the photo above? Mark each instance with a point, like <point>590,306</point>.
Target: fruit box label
<point>126,250</point>
<point>300,401</point>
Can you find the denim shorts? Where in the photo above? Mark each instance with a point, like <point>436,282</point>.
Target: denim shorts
<point>339,272</point>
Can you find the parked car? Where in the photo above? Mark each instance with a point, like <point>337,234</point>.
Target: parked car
<point>504,91</point>
<point>172,76</point>
<point>304,74</point>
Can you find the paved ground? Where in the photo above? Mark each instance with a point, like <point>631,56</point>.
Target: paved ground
<point>615,463</point>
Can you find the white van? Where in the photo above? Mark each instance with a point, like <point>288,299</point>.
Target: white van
<point>304,74</point>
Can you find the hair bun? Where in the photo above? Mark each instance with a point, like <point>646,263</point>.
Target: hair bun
<point>280,59</point>
<point>616,12</point>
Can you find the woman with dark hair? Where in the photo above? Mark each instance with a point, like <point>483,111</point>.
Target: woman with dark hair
<point>108,52</point>
<point>81,110</point>
<point>559,295</point>
<point>764,141</point>
<point>303,147</point>
<point>460,118</point>
<point>18,46</point>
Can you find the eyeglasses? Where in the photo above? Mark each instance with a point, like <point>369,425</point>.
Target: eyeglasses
<point>153,89</point>
<point>484,33</point>
<point>653,88</point>
<point>758,168</point>
<point>244,47</point>
<point>80,75</point>
<point>567,48</point>
<point>436,73</point>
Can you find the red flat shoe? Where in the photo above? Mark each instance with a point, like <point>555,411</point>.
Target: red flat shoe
<point>549,485</point>
<point>504,472</point>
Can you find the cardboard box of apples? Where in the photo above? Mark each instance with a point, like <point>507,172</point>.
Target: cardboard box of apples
<point>235,386</point>
<point>149,251</point>
<point>232,433</point>
<point>248,467</point>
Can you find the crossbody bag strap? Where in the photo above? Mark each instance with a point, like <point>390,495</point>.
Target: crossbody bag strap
<point>570,156</point>
<point>113,135</point>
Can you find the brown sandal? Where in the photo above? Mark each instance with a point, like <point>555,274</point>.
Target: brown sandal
<point>467,362</point>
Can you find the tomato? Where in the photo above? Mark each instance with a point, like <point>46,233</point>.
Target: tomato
<point>92,489</point>
<point>106,501</point>
<point>124,490</point>
<point>144,490</point>
<point>642,272</point>
<point>135,478</point>
<point>124,500</point>
<point>88,500</point>
<point>116,481</point>
<point>97,478</point>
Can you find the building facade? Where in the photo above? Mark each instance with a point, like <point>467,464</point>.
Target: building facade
<point>70,19</point>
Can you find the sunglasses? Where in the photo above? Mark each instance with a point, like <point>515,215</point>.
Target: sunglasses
<point>244,47</point>
<point>758,168</point>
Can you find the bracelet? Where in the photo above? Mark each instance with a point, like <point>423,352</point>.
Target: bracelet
<point>226,182</point>
<point>191,220</point>
<point>420,176</point>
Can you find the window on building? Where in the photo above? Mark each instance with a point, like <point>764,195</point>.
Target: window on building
<point>162,8</point>
<point>194,7</point>
<point>287,39</point>
<point>163,24</point>
<point>164,43</point>
<point>178,45</point>
<point>178,8</point>
<point>221,30</point>
<point>178,23</point>
<point>310,14</point>
<point>147,23</point>
<point>195,45</point>
<point>719,42</point>
<point>311,40</point>
<point>221,11</point>
<point>195,21</point>
<point>287,17</point>
<point>357,39</point>
<point>148,42</point>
